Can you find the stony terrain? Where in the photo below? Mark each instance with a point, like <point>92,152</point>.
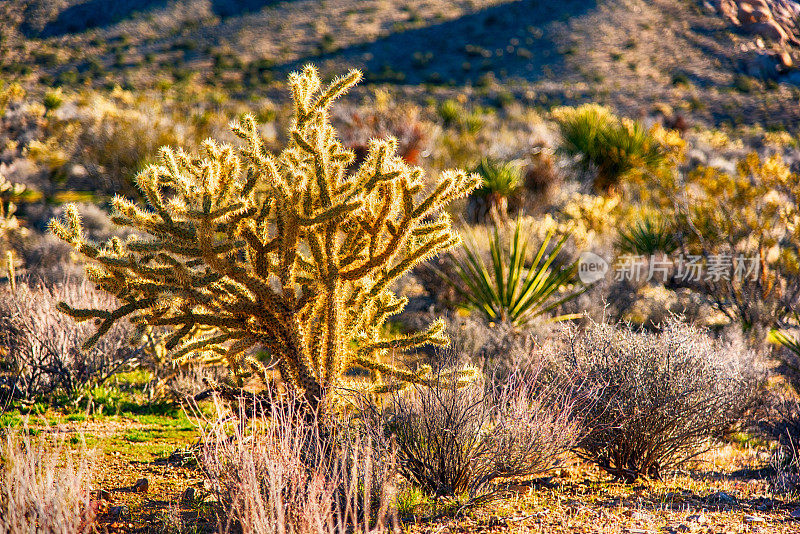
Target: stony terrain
<point>716,62</point>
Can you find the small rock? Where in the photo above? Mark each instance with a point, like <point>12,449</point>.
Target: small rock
<point>141,486</point>
<point>795,514</point>
<point>720,496</point>
<point>697,518</point>
<point>188,495</point>
<point>753,519</point>
<point>118,512</point>
<point>78,171</point>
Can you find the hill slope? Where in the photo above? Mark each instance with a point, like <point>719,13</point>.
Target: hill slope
<point>632,54</point>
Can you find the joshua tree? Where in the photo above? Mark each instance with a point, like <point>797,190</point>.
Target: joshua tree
<point>287,252</point>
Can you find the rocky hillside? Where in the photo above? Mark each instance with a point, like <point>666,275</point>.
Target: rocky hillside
<point>712,62</point>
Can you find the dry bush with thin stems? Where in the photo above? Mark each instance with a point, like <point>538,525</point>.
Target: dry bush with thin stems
<point>452,441</point>
<point>275,470</point>
<point>41,347</point>
<point>658,398</point>
<point>42,488</point>
<point>781,421</point>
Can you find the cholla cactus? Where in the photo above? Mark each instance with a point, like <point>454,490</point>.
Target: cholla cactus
<point>287,252</point>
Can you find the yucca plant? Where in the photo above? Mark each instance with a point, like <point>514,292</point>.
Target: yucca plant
<point>782,338</point>
<point>511,288</point>
<point>647,237</point>
<point>612,146</point>
<point>500,180</point>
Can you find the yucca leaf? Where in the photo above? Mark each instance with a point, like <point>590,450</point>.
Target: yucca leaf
<point>506,289</point>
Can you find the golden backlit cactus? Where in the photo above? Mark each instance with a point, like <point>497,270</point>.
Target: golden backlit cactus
<point>289,252</point>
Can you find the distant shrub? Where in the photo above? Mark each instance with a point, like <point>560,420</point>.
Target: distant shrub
<point>41,487</point>
<point>452,441</point>
<point>659,397</point>
<point>744,83</point>
<point>751,217</point>
<point>450,111</point>
<point>782,424</point>
<point>514,287</point>
<point>384,119</point>
<point>612,147</point>
<point>53,100</point>
<point>500,180</point>
<point>40,347</point>
<point>9,94</point>
<point>290,476</point>
<point>541,176</point>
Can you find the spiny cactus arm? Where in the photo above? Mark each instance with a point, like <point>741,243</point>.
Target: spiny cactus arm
<point>453,186</point>
<point>431,247</point>
<point>404,375</point>
<point>434,335</point>
<point>108,318</point>
<point>82,314</point>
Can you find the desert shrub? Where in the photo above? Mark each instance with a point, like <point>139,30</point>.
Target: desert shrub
<point>291,253</point>
<point>53,100</point>
<point>41,487</point>
<point>659,397</point>
<point>287,475</point>
<point>589,217</point>
<point>613,147</point>
<point>500,180</point>
<point>110,137</point>
<point>781,422</point>
<point>542,178</point>
<point>11,93</point>
<point>40,348</point>
<point>452,441</point>
<point>749,221</point>
<point>515,287</point>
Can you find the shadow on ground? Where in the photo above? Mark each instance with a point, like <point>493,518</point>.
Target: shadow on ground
<point>524,39</point>
<point>88,14</point>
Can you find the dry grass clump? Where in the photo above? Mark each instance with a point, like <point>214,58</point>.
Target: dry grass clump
<point>40,347</point>
<point>658,397</point>
<point>42,489</point>
<point>288,473</point>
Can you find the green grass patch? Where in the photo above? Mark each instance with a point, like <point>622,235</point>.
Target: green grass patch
<point>137,436</point>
